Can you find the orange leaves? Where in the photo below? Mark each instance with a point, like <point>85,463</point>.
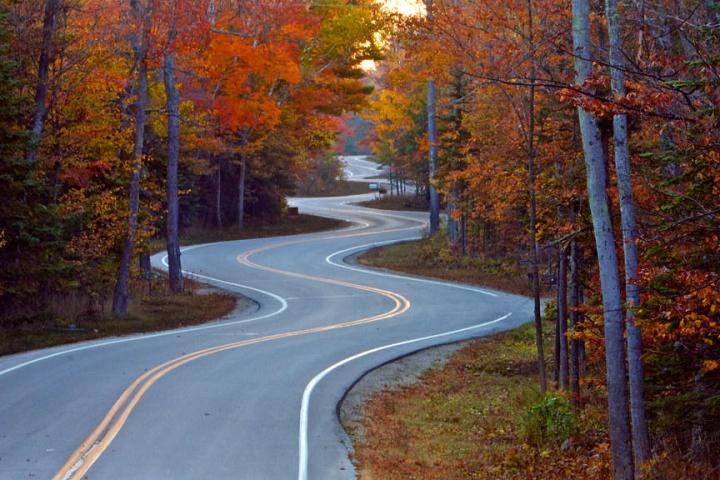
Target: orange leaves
<point>710,365</point>
<point>242,70</point>
<point>254,111</point>
<point>595,97</point>
<point>691,317</point>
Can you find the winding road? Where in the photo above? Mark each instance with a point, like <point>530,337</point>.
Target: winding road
<point>255,395</point>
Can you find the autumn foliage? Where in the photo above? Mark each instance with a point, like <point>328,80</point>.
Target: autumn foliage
<point>261,84</point>
<point>487,59</point>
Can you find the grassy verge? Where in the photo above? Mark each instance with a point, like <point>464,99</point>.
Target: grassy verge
<point>426,258</point>
<point>286,225</point>
<point>147,312</point>
<point>469,420</point>
<point>152,307</point>
<point>341,188</point>
<point>395,202</point>
<point>481,416</point>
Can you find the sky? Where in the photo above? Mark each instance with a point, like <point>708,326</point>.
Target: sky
<point>405,7</point>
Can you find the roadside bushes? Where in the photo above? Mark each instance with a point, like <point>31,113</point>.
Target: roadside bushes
<point>548,422</point>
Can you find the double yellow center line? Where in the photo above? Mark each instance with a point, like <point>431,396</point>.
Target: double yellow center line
<point>83,458</point>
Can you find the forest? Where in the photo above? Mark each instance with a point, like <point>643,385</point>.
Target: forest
<point>579,142</point>
<point>128,121</point>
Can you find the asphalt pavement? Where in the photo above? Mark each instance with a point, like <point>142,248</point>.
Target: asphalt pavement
<point>254,395</point>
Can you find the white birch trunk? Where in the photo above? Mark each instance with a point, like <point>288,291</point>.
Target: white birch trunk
<point>619,418</point>
<point>641,439</point>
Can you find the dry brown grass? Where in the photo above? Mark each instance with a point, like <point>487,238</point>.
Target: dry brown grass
<point>285,225</point>
<point>146,313</point>
<point>398,202</point>
<point>73,316</point>
<point>461,421</point>
<point>340,188</point>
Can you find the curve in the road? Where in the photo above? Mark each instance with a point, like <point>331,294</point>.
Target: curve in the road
<point>102,436</point>
<point>159,425</point>
<point>304,408</point>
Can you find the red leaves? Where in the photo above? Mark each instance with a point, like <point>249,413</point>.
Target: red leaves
<point>82,175</point>
<point>594,96</point>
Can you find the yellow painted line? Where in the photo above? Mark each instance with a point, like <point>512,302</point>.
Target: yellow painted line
<point>90,450</point>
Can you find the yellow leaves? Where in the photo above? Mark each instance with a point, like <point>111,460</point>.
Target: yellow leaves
<point>710,365</point>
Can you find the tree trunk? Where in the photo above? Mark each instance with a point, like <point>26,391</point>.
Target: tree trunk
<point>218,198</point>
<point>641,437</point>
<point>241,192</point>
<point>432,144</point>
<point>52,7</point>
<point>144,263</point>
<point>534,248</point>
<point>173,113</point>
<point>574,322</point>
<point>564,375</point>
<point>619,417</point>
<point>434,196</point>
<point>556,350</point>
<point>463,234</point>
<point>452,224</point>
<point>120,295</point>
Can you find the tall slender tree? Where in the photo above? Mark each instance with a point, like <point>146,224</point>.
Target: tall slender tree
<point>574,316</point>
<point>563,368</point>
<point>534,247</point>
<point>641,438</point>
<point>139,39</point>
<point>432,142</point>
<point>52,8</point>
<point>173,121</point>
<point>241,191</point>
<point>595,159</point>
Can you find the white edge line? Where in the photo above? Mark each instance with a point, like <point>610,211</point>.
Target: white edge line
<point>304,407</point>
<point>283,307</point>
<point>329,260</point>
